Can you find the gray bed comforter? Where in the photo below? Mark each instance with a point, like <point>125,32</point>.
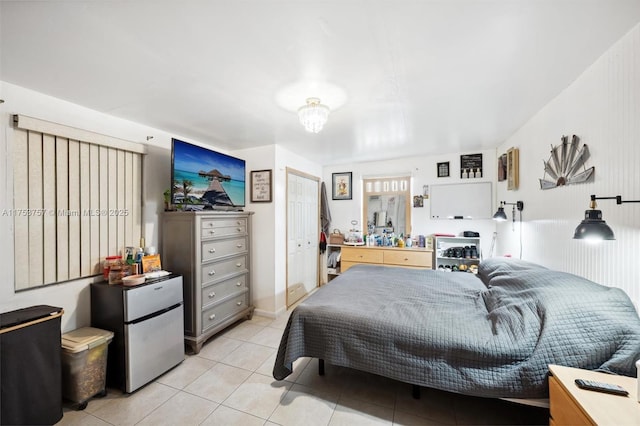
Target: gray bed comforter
<point>489,335</point>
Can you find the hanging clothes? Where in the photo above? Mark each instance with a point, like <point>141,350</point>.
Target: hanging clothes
<point>325,214</point>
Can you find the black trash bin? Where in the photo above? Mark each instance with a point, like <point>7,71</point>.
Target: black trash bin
<point>30,366</point>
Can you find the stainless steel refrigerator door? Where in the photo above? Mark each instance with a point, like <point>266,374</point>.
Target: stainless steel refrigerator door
<point>154,346</point>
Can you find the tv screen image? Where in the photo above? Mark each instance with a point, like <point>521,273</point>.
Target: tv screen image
<point>203,178</point>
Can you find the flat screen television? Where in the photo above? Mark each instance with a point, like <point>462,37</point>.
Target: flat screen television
<point>205,179</point>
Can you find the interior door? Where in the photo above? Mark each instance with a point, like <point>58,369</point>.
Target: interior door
<point>302,235</point>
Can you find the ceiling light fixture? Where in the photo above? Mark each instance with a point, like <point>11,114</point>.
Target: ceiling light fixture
<point>313,115</point>
<point>593,227</point>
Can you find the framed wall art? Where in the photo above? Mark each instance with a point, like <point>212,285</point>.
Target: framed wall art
<point>261,186</point>
<point>502,168</point>
<point>512,168</point>
<point>471,166</point>
<point>341,186</point>
<point>443,169</point>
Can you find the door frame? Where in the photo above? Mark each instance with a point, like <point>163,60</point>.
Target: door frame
<point>291,171</point>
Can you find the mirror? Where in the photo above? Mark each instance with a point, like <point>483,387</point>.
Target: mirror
<point>386,212</point>
<point>386,206</point>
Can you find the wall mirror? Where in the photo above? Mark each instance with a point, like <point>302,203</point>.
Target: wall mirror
<point>386,205</point>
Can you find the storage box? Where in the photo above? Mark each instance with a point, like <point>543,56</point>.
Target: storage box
<point>84,364</point>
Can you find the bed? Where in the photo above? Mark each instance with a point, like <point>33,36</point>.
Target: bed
<point>490,335</point>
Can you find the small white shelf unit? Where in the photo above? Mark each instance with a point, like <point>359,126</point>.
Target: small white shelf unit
<point>443,256</point>
<point>333,270</point>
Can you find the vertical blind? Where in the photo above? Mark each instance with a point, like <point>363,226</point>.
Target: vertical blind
<point>77,200</point>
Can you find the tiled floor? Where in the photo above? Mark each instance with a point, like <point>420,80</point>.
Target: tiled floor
<point>229,383</point>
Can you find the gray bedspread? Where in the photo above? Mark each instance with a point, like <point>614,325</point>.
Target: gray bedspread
<point>489,335</point>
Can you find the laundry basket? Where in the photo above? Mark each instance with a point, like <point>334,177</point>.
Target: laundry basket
<point>30,379</point>
<point>84,364</point>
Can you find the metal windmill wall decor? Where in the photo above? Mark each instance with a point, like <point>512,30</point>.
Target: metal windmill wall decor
<point>565,166</point>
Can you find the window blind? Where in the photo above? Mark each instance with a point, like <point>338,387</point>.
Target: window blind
<point>77,200</point>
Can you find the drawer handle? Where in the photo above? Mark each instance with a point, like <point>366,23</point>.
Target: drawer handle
<point>212,272</point>
<point>239,303</point>
<point>239,229</point>
<point>212,250</point>
<point>213,231</point>
<point>406,258</point>
<point>212,295</point>
<point>239,222</point>
<point>238,284</point>
<point>239,245</point>
<point>239,264</point>
<point>212,316</point>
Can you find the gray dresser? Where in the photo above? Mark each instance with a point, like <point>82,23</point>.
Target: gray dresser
<point>212,251</point>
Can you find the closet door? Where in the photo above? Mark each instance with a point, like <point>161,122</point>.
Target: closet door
<point>302,235</point>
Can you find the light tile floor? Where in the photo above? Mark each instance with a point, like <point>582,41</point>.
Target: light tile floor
<point>229,383</point>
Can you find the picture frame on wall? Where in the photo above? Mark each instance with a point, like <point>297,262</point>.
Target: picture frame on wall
<point>261,186</point>
<point>502,168</point>
<point>443,169</point>
<point>513,160</point>
<point>341,186</point>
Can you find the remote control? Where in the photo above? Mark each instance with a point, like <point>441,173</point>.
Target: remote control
<point>601,387</point>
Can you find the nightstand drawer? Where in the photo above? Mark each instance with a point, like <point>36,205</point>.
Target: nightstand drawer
<point>562,409</point>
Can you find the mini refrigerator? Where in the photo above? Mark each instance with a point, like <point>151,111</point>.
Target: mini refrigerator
<point>148,325</point>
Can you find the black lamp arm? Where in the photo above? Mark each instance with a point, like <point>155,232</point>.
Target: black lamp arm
<point>618,199</point>
<point>518,204</point>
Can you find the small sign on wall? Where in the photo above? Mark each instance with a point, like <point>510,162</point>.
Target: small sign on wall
<point>471,166</point>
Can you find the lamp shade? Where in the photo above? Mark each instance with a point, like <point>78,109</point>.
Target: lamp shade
<point>500,215</point>
<point>593,227</point>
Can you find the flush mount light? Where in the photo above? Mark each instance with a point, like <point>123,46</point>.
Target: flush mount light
<point>313,115</point>
<point>593,227</point>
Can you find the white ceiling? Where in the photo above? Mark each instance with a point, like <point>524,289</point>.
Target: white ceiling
<point>418,77</point>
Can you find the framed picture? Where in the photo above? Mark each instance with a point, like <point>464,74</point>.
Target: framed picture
<point>418,201</point>
<point>261,186</point>
<point>471,166</point>
<point>341,185</point>
<point>512,168</point>
<point>443,169</point>
<point>502,168</point>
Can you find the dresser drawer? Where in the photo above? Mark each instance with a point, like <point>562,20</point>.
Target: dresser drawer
<point>218,313</point>
<point>361,255</point>
<point>219,248</point>
<point>221,270</point>
<point>212,228</point>
<point>219,291</point>
<point>407,258</point>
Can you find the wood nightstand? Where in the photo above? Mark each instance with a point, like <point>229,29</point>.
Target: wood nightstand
<point>570,405</point>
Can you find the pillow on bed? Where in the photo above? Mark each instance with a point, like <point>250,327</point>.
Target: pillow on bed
<point>501,266</point>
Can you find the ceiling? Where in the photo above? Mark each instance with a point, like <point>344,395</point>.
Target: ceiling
<point>413,77</point>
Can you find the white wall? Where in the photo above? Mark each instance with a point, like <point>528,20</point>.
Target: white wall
<point>602,107</point>
<point>72,296</point>
<point>424,172</point>
<point>269,252</point>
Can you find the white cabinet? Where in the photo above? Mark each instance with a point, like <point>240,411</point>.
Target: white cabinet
<point>456,253</point>
<point>211,250</point>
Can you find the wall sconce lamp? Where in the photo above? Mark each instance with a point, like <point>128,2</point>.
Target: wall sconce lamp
<point>501,216</point>
<point>593,227</point>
